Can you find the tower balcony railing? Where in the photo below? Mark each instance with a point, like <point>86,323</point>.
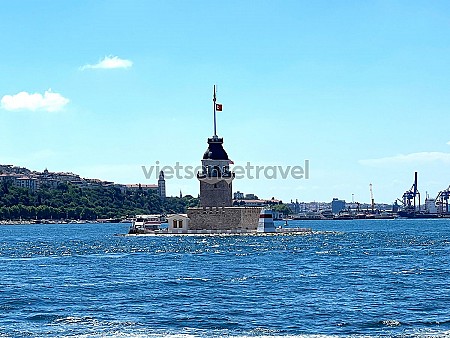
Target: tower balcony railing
<point>215,139</point>
<point>219,174</point>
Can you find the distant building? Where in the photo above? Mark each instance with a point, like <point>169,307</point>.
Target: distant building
<point>47,179</point>
<point>7,177</point>
<point>27,182</point>
<point>67,177</point>
<point>296,207</point>
<point>162,186</point>
<point>238,195</point>
<point>250,203</point>
<point>337,205</point>
<point>34,180</point>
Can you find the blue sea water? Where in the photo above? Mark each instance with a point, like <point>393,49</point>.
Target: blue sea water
<point>348,278</point>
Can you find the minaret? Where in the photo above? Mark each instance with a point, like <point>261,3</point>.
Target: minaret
<point>215,177</point>
<point>161,186</point>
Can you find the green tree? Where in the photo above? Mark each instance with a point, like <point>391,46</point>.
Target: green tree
<point>70,201</point>
<point>283,208</point>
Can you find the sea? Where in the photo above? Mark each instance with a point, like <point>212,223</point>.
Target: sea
<point>348,278</point>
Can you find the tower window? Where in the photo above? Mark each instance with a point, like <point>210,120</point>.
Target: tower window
<point>215,171</point>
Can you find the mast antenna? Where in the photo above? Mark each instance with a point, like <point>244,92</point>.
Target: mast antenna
<point>214,104</point>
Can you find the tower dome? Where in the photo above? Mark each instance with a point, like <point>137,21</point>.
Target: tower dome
<point>215,150</point>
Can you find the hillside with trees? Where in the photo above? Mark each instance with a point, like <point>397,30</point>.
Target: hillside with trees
<point>70,202</point>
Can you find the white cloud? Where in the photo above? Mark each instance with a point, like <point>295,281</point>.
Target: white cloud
<point>448,143</point>
<point>50,101</point>
<point>109,62</point>
<point>422,157</point>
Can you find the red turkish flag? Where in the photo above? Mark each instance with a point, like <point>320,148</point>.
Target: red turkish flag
<point>218,106</point>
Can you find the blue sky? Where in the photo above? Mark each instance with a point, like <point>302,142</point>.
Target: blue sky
<point>361,89</point>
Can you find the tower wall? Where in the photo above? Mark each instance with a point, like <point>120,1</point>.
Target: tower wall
<point>161,186</point>
<point>216,194</point>
<point>227,218</point>
<point>215,177</point>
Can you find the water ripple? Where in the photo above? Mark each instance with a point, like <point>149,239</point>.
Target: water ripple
<point>357,279</point>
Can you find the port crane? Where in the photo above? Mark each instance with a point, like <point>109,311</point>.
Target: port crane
<point>434,208</point>
<point>442,201</point>
<point>410,196</point>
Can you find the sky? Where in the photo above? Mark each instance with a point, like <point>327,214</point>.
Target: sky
<point>358,90</point>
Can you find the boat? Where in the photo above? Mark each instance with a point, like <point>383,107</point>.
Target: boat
<point>313,215</point>
<point>408,213</point>
<point>145,224</point>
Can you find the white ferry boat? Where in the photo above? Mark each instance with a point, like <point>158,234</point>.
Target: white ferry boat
<point>143,224</point>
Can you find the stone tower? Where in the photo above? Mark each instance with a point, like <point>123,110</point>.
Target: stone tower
<point>215,177</point>
<point>161,186</point>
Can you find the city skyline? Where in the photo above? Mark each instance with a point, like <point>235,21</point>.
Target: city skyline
<point>360,90</point>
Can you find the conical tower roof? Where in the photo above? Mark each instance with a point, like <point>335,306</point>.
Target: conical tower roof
<point>215,150</point>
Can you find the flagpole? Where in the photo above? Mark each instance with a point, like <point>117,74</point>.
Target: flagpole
<point>214,104</point>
